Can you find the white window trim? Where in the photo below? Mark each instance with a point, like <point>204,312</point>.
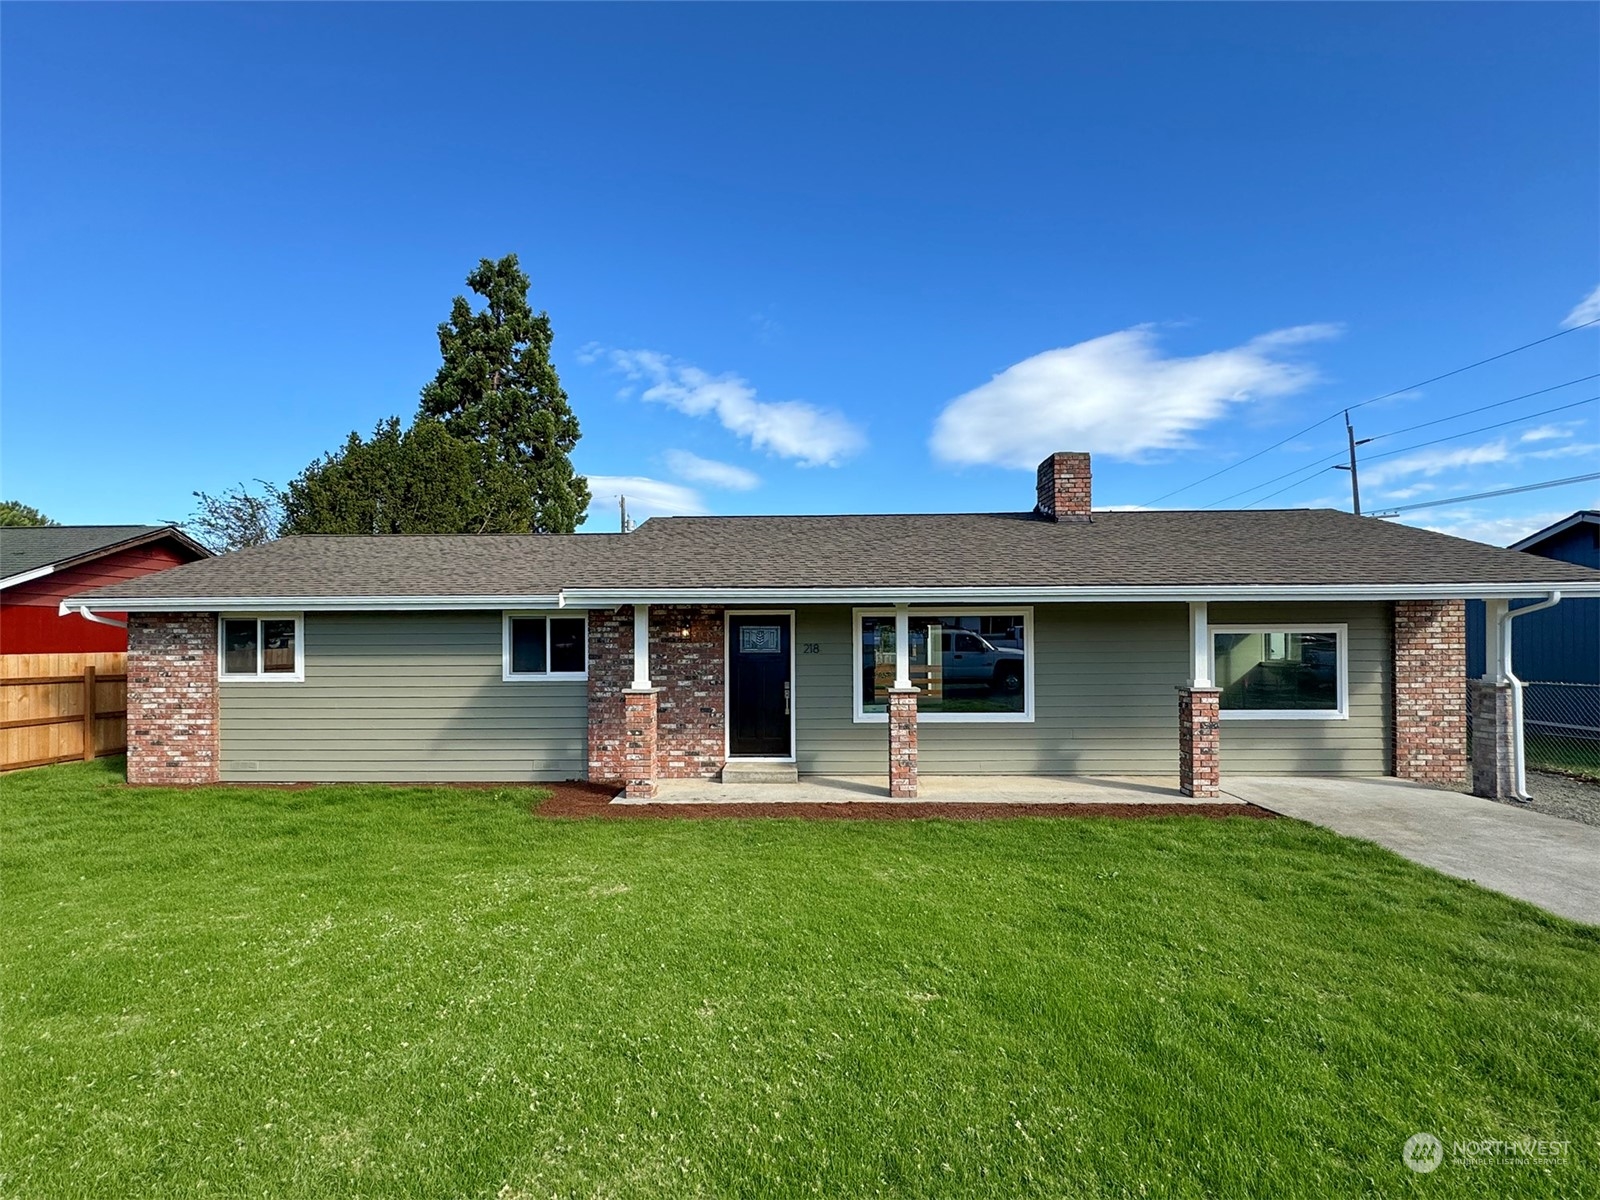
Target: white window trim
<point>1341,668</point>
<point>507,675</point>
<point>260,676</point>
<point>1025,717</point>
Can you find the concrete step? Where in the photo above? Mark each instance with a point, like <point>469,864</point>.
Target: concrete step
<point>760,772</point>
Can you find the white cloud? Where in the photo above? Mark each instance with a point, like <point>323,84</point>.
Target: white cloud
<point>646,498</point>
<point>1545,433</point>
<point>1410,493</point>
<point>710,472</point>
<point>812,436</point>
<point>1435,462</point>
<point>1588,309</point>
<point>1115,395</point>
<point>1497,531</point>
<point>1570,450</point>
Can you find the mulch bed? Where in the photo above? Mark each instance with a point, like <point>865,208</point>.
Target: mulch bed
<point>594,800</point>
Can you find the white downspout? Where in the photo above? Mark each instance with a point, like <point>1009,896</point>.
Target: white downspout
<point>1519,750</point>
<point>83,611</point>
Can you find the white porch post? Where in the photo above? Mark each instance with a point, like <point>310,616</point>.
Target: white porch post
<point>1496,641</point>
<point>641,647</point>
<point>902,647</point>
<point>1199,646</point>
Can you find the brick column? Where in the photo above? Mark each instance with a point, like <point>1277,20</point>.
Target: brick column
<point>1494,771</point>
<point>172,698</point>
<point>1430,692</point>
<point>903,743</point>
<point>639,744</point>
<point>1200,742</point>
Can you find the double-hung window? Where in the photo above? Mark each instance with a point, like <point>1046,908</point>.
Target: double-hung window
<point>967,664</point>
<point>1278,673</point>
<point>544,646</point>
<point>264,649</point>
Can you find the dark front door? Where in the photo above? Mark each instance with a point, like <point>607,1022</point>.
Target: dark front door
<point>758,687</point>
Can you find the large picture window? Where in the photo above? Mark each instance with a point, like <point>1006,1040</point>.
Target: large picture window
<point>542,646</point>
<point>264,648</point>
<point>1280,672</point>
<point>967,665</point>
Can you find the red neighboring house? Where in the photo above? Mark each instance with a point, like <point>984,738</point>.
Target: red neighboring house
<point>42,565</point>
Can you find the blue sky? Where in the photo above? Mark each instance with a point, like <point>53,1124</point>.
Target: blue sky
<point>814,258</point>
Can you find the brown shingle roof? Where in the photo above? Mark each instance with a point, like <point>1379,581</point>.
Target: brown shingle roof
<point>1272,548</point>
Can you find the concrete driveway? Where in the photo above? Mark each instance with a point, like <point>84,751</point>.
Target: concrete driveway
<point>1546,861</point>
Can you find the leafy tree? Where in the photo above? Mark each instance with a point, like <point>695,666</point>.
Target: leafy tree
<point>14,515</point>
<point>235,519</point>
<point>416,480</point>
<point>498,389</point>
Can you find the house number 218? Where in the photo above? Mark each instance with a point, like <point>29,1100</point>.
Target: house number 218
<point>811,648</point>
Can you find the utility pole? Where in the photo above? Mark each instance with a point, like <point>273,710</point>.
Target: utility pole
<point>622,513</point>
<point>1355,480</point>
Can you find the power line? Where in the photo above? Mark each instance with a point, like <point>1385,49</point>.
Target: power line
<point>1511,491</point>
<point>1555,387</point>
<point>1450,437</point>
<point>1306,475</point>
<point>1378,437</point>
<point>1386,396</point>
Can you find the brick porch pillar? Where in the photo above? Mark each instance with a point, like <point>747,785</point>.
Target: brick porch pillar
<point>903,743</point>
<point>1430,693</point>
<point>1494,769</point>
<point>172,698</point>
<point>639,743</point>
<point>1200,741</point>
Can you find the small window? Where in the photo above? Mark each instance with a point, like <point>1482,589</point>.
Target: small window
<point>262,648</point>
<point>545,647</point>
<point>1280,673</point>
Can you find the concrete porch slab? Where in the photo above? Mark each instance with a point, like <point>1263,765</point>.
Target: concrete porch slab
<point>933,789</point>
<point>1548,861</point>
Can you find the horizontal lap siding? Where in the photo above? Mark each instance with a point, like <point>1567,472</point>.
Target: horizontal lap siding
<point>1105,700</point>
<point>1362,745</point>
<point>400,697</point>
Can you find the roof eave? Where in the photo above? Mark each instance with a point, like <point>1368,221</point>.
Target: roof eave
<point>614,597</point>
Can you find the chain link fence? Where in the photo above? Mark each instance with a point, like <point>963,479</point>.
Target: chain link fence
<point>1561,727</point>
<point>1561,723</point>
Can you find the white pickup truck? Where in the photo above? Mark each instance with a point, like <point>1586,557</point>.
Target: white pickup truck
<point>970,658</point>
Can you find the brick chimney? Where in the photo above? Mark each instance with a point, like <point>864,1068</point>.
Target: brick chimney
<point>1063,486</point>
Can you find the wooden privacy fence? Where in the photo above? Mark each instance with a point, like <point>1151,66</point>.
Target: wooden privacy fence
<point>61,708</point>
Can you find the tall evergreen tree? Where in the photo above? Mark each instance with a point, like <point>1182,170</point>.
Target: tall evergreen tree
<point>498,389</point>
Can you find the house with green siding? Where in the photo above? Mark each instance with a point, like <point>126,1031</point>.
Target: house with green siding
<point>1057,640</point>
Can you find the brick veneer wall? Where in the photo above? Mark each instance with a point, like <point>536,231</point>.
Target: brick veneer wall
<point>903,743</point>
<point>1430,692</point>
<point>172,698</point>
<point>687,669</point>
<point>1494,769</point>
<point>1063,488</point>
<point>1200,742</point>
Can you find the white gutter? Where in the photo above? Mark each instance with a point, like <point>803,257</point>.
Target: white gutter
<point>613,597</point>
<point>1519,750</point>
<point>63,610</point>
<point>25,576</point>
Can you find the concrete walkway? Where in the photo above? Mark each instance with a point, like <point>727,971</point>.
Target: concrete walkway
<point>979,789</point>
<point>1547,861</point>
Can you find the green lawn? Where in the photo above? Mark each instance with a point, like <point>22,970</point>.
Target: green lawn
<point>367,991</point>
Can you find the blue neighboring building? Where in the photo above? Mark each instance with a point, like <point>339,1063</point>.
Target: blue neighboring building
<point>1562,644</point>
